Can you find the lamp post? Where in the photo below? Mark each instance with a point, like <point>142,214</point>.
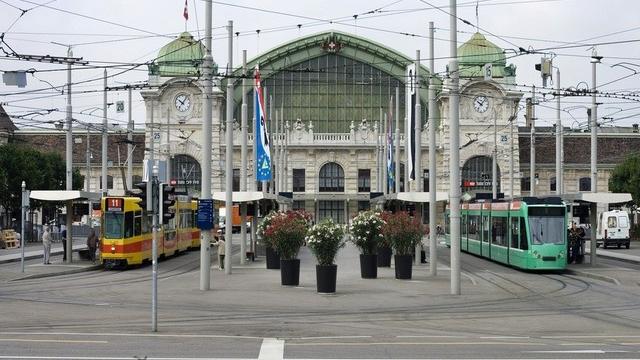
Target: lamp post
<point>25,202</point>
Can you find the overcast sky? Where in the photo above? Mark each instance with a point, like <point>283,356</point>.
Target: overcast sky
<point>111,32</point>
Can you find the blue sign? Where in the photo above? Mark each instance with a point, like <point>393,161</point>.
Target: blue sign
<point>205,214</point>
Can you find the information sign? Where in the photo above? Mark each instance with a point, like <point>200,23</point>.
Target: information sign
<point>205,214</point>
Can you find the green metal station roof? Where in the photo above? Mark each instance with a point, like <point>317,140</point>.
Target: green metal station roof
<point>477,52</point>
<point>181,57</point>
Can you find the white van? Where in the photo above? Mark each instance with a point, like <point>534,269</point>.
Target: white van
<point>613,229</point>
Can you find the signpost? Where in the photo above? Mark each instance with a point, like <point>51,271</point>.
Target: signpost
<point>205,214</point>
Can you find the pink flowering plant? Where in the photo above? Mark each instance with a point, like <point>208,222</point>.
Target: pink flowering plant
<point>286,232</point>
<point>366,231</point>
<point>324,240</point>
<point>402,231</point>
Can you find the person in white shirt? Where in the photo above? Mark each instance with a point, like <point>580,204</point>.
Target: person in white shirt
<point>46,242</point>
<point>221,250</point>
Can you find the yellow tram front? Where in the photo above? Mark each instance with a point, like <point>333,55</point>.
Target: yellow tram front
<point>126,234</point>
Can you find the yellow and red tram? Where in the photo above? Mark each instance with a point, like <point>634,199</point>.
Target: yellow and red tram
<point>126,231</point>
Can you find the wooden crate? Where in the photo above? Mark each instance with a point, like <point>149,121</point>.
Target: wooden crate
<point>10,241</point>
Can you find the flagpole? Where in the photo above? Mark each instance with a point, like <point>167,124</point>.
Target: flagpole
<point>385,171</point>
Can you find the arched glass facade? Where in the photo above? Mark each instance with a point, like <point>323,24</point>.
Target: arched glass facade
<point>331,91</point>
<point>477,173</point>
<point>185,170</point>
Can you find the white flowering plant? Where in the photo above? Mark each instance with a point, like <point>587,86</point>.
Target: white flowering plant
<point>324,240</point>
<point>366,231</point>
<point>262,229</point>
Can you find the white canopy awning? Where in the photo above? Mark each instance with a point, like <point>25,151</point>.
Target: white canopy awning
<point>64,195</point>
<point>601,197</point>
<point>417,197</point>
<point>248,196</point>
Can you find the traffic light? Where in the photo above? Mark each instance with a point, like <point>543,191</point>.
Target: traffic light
<point>140,191</point>
<point>167,200</point>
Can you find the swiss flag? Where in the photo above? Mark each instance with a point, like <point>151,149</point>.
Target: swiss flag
<point>185,13</point>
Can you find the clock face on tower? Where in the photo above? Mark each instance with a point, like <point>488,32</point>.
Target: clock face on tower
<point>183,103</point>
<point>481,104</point>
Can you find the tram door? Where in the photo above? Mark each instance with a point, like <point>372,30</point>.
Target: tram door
<point>486,234</point>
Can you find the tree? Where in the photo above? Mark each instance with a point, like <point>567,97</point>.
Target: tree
<point>626,177</point>
<point>40,170</point>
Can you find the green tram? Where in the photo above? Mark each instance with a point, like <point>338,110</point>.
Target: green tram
<point>529,233</point>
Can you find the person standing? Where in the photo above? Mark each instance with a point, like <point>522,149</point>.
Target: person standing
<point>46,243</point>
<point>92,242</point>
<point>63,235</point>
<point>221,251</point>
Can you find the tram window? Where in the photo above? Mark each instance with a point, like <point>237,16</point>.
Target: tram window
<point>137,223</point>
<point>472,226</point>
<point>497,231</point>
<point>514,232</point>
<point>463,225</point>
<point>485,228</point>
<point>113,225</point>
<point>524,245</point>
<point>128,224</point>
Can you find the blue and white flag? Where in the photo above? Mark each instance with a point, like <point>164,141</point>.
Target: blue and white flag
<point>390,166</point>
<point>263,149</point>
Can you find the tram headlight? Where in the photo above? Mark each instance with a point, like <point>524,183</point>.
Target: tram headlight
<point>113,249</point>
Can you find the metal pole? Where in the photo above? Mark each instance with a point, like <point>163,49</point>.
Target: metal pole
<point>104,137</point>
<point>511,164</point>
<point>276,155</point>
<point>433,244</point>
<point>418,131</point>
<point>69,161</point>
<point>23,207</point>
<point>205,247</point>
<point>154,251</point>
<point>243,159</point>
<point>385,175</point>
<point>494,162</point>
<point>397,142</point>
<point>558,137</point>
<point>378,161</point>
<point>228,241</point>
<point>595,59</point>
<point>88,162</point>
<point>532,162</point>
<point>168,164</point>
<point>129,143</point>
<point>454,149</point>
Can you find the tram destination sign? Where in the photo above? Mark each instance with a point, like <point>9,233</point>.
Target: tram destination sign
<point>205,214</point>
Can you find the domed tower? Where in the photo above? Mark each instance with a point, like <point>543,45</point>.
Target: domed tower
<point>175,101</point>
<point>488,105</point>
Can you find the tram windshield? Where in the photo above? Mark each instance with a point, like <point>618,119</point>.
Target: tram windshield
<point>547,225</point>
<point>114,225</point>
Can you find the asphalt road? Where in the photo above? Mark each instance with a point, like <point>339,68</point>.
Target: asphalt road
<point>502,313</point>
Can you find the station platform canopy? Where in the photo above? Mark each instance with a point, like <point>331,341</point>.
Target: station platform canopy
<point>249,196</point>
<point>414,196</point>
<point>64,195</point>
<point>599,197</point>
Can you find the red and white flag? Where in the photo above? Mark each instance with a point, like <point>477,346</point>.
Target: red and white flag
<point>185,13</point>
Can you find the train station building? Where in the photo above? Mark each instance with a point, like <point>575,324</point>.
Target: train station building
<point>330,93</point>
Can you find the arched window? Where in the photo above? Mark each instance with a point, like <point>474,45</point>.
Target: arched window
<point>185,170</point>
<point>584,184</point>
<point>477,174</point>
<point>331,178</point>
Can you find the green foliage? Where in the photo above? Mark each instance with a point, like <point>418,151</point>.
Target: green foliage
<point>324,240</point>
<point>40,171</point>
<point>286,230</point>
<point>366,231</point>
<point>402,231</point>
<point>625,177</point>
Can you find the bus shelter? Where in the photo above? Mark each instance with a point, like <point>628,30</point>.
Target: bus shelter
<point>593,199</point>
<point>68,197</point>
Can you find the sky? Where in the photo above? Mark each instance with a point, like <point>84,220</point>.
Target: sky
<point>124,34</point>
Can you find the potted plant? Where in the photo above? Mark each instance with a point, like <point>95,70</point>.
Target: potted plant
<point>273,258</point>
<point>404,232</point>
<point>366,233</point>
<point>384,247</point>
<point>287,231</point>
<point>324,240</point>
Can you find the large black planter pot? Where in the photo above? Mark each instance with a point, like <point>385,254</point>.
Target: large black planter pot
<point>290,272</point>
<point>326,278</point>
<point>273,258</point>
<point>403,264</point>
<point>384,256</point>
<point>368,268</point>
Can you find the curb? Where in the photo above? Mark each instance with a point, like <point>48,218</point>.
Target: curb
<point>594,276</point>
<point>39,256</point>
<point>66,272</point>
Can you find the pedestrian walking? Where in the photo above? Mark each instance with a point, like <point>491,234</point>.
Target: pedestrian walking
<point>221,250</point>
<point>92,243</point>
<point>46,243</point>
<point>63,235</point>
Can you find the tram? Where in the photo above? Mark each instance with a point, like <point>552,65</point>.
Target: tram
<point>528,234</point>
<point>126,236</point>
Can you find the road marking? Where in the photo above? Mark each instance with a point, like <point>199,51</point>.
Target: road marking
<point>56,341</point>
<point>431,336</point>
<point>195,336</point>
<point>414,343</point>
<point>571,351</point>
<point>111,358</point>
<point>332,337</point>
<point>589,336</point>
<point>271,349</point>
<point>505,337</point>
